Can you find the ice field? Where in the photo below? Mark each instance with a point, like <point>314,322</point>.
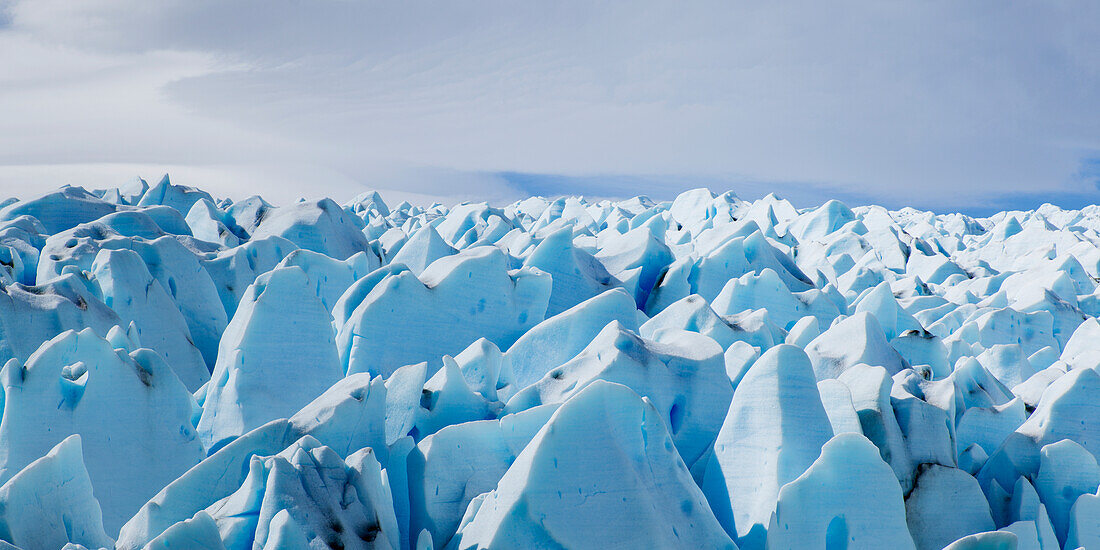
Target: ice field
<point>182,371</point>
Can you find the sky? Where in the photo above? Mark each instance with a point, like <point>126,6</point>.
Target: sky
<point>944,105</point>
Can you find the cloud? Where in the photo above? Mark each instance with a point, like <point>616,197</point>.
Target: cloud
<point>937,104</point>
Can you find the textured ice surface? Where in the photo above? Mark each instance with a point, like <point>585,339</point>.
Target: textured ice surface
<point>602,473</point>
<point>184,371</point>
<point>848,498</point>
<point>50,502</point>
<point>451,304</point>
<point>277,355</point>
<point>773,432</point>
<point>130,290</point>
<point>133,414</point>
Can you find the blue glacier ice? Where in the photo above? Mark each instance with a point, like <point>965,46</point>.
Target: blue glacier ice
<point>189,371</point>
<point>848,498</point>
<point>683,376</point>
<point>132,413</point>
<point>603,472</point>
<point>131,291</point>
<point>321,226</point>
<point>277,354</point>
<point>448,302</point>
<point>773,432</point>
<point>946,504</point>
<point>561,337</point>
<point>50,503</point>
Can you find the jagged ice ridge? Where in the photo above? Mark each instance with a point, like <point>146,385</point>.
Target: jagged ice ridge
<point>186,372</point>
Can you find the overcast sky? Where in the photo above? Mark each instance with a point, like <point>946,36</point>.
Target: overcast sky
<point>943,105</point>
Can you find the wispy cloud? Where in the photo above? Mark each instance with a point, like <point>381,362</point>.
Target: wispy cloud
<point>938,104</point>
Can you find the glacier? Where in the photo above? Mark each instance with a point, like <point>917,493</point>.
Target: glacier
<point>187,371</point>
